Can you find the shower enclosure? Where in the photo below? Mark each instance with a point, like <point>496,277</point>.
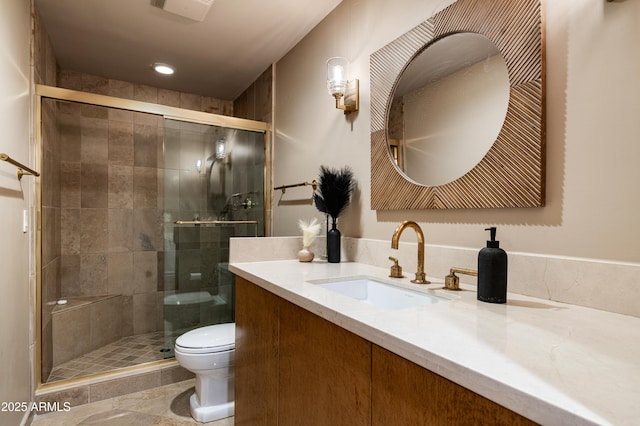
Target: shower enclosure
<point>138,204</point>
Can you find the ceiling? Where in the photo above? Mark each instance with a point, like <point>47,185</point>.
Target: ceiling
<point>219,57</point>
<point>444,57</point>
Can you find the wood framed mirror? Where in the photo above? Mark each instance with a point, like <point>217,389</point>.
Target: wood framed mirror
<point>511,172</point>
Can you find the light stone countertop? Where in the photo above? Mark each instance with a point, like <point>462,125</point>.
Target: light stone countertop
<point>551,362</point>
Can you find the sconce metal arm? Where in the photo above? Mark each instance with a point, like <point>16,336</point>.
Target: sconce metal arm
<point>350,101</point>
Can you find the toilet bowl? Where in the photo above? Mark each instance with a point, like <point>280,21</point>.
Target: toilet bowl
<point>209,353</point>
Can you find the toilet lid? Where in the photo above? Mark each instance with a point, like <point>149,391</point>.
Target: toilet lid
<point>212,338</point>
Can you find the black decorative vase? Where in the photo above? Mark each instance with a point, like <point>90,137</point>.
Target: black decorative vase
<point>333,244</point>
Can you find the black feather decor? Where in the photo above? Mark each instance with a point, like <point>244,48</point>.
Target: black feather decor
<point>332,196</point>
<point>335,187</point>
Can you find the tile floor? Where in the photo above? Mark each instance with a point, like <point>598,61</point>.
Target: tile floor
<point>128,351</point>
<point>163,406</point>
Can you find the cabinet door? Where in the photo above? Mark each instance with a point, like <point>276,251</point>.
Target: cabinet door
<point>325,372</point>
<point>256,371</point>
<point>403,393</point>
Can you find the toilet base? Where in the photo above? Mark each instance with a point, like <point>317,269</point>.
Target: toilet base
<point>210,413</point>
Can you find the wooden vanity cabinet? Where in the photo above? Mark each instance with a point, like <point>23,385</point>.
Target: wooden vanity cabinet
<point>404,393</point>
<point>296,368</point>
<point>256,357</point>
<point>325,372</point>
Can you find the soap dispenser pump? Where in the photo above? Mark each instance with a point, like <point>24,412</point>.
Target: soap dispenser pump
<point>492,271</point>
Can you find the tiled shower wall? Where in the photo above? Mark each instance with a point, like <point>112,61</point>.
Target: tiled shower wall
<point>255,103</point>
<point>110,228</point>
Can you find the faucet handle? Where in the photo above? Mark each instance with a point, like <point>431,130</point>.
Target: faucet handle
<point>396,270</point>
<point>452,281</point>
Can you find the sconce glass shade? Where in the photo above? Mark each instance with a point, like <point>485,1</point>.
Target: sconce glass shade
<point>221,149</point>
<point>337,76</point>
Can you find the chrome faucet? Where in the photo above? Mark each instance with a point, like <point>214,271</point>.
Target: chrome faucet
<point>420,275</point>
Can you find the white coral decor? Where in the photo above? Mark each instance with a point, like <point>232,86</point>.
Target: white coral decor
<point>310,231</point>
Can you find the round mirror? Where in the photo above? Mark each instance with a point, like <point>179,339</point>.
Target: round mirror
<point>448,108</point>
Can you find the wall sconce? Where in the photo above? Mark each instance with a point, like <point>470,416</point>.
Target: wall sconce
<point>221,149</point>
<point>341,88</point>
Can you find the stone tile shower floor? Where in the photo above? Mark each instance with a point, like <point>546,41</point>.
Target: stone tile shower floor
<point>126,352</point>
<point>162,406</point>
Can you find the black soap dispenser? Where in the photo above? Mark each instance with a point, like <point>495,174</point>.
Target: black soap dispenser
<point>492,271</point>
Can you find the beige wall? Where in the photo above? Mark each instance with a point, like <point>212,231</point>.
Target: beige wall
<point>593,96</point>
<point>15,313</point>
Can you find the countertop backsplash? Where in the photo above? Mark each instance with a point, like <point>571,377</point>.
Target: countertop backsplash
<point>606,285</point>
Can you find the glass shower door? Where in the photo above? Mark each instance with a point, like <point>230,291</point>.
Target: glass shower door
<point>213,189</point>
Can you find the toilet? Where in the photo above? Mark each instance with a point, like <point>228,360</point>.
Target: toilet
<point>209,353</point>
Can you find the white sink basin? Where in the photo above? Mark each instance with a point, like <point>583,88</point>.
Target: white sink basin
<point>378,293</point>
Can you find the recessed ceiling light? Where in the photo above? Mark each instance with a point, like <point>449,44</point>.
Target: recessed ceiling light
<point>163,68</point>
